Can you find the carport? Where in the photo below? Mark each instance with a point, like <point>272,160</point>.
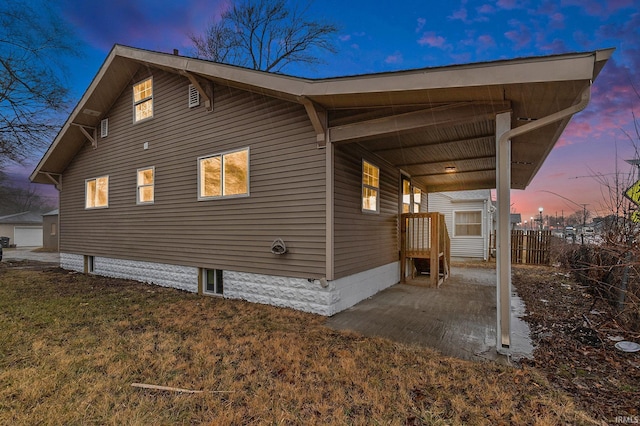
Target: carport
<point>478,126</point>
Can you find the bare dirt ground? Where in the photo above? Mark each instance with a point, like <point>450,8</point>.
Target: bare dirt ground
<point>575,335</point>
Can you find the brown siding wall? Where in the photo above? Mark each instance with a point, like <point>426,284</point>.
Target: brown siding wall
<point>50,241</point>
<point>287,185</point>
<point>363,240</point>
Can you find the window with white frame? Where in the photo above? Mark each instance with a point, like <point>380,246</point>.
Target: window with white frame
<point>370,187</point>
<point>212,281</point>
<point>145,185</point>
<point>143,100</point>
<point>406,195</point>
<point>417,199</point>
<point>97,192</point>
<point>224,175</point>
<point>467,223</point>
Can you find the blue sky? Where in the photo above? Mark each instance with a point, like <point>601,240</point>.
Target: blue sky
<point>377,36</point>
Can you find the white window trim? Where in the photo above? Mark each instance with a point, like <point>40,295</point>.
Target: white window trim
<point>138,186</point>
<point>416,205</point>
<point>133,98</point>
<point>85,193</point>
<point>482,228</point>
<point>203,275</point>
<point>222,154</point>
<point>377,189</point>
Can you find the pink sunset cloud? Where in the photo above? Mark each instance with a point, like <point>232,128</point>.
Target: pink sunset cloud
<point>520,36</point>
<point>486,9</point>
<point>432,40</point>
<point>460,14</point>
<point>396,58</point>
<point>486,42</point>
<point>141,23</point>
<point>510,4</point>
<point>600,8</point>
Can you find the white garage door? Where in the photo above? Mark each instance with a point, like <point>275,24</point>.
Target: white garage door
<point>28,236</point>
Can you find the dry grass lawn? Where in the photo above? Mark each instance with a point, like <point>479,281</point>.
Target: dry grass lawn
<point>71,346</point>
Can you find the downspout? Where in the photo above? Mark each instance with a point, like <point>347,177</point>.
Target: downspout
<point>503,237</point>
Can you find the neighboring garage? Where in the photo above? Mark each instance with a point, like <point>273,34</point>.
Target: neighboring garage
<point>23,229</point>
<point>28,236</point>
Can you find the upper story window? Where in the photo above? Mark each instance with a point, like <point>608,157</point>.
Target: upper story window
<point>468,223</point>
<point>143,100</point>
<point>224,175</point>
<point>146,179</point>
<point>370,187</point>
<point>97,192</point>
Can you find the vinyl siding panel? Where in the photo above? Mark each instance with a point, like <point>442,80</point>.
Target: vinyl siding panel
<point>363,240</point>
<point>286,185</point>
<point>464,247</point>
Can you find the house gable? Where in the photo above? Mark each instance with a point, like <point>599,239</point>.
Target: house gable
<point>287,199</point>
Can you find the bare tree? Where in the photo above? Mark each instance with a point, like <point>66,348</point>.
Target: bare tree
<point>32,90</point>
<point>265,35</point>
<point>17,199</point>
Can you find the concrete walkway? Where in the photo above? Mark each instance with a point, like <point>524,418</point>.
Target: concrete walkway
<point>458,319</point>
<point>27,253</point>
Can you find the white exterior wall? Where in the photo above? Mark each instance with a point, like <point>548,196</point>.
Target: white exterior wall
<point>463,247</point>
<point>296,293</point>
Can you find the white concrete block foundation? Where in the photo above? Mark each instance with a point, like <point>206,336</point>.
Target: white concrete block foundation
<point>296,293</point>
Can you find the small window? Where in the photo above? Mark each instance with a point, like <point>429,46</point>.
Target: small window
<point>143,100</point>
<point>468,224</point>
<point>370,187</point>
<point>146,179</point>
<point>54,229</point>
<point>417,199</point>
<point>104,128</point>
<point>97,192</point>
<point>212,281</point>
<point>406,195</point>
<point>194,96</point>
<point>224,175</point>
<point>89,265</point>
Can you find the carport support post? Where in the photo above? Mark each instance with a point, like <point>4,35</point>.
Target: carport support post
<point>503,240</point>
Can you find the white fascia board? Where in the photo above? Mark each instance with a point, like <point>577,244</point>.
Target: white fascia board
<point>535,70</point>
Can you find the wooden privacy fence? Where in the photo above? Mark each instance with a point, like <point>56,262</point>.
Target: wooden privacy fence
<point>530,247</point>
<point>425,241</point>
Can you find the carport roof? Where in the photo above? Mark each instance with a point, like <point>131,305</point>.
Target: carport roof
<point>426,122</point>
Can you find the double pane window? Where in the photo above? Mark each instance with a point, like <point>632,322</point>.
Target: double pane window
<point>370,187</point>
<point>143,100</point>
<point>97,192</point>
<point>224,175</point>
<point>145,185</point>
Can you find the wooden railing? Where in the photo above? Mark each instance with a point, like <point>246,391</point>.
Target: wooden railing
<point>425,242</point>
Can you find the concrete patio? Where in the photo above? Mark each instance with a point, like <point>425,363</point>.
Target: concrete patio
<point>458,319</point>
